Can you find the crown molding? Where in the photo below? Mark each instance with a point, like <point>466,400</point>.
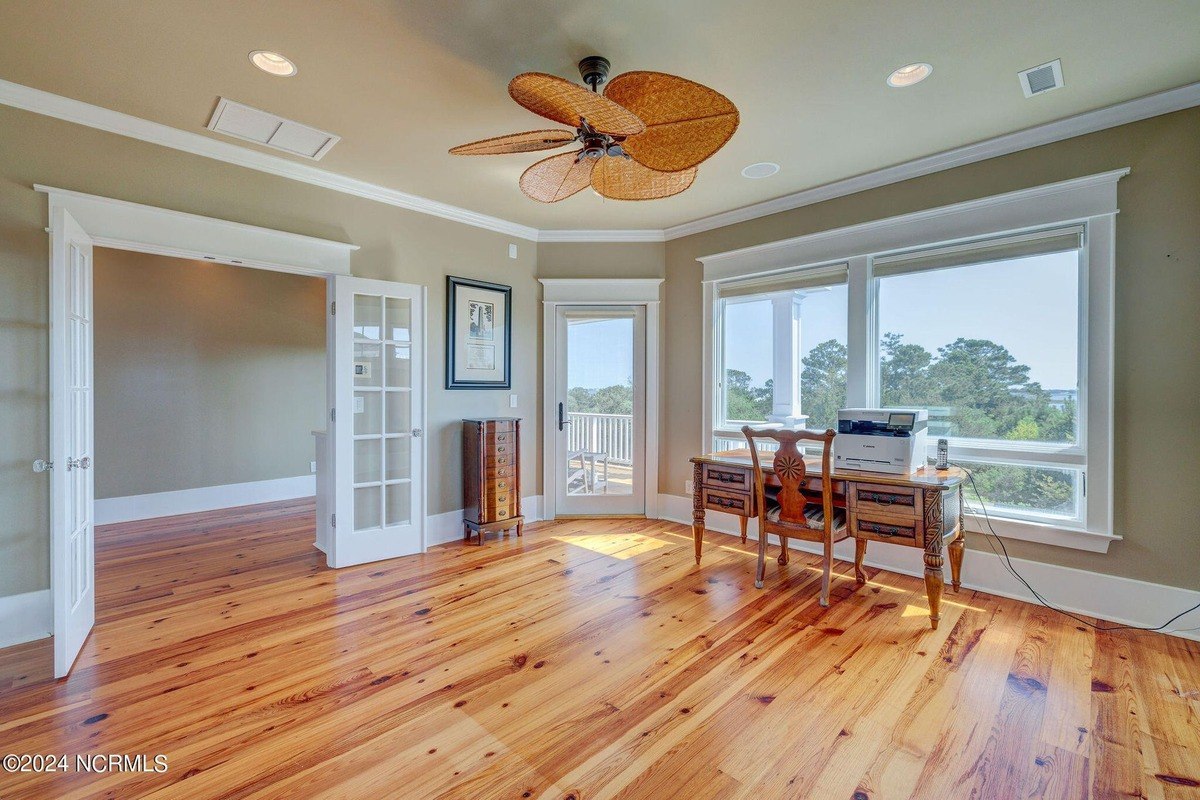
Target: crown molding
<point>584,235</point>
<point>79,112</point>
<point>1089,122</point>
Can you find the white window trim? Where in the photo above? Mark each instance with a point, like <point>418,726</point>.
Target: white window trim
<point>1090,200</point>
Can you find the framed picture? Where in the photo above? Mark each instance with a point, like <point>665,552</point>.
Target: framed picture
<point>478,334</point>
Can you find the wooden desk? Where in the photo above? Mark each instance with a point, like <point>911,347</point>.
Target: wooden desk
<point>924,509</point>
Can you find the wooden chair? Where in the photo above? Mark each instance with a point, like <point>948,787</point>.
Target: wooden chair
<point>793,515</point>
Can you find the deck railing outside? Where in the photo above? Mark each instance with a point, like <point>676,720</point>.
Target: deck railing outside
<point>602,433</point>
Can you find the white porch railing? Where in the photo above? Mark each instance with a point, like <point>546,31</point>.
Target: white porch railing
<point>602,433</point>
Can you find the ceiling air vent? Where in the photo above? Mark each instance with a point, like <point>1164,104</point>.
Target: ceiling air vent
<point>244,122</point>
<point>1045,78</point>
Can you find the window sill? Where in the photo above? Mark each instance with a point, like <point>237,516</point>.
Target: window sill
<point>1042,533</point>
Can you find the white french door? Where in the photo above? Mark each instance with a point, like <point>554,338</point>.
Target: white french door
<point>600,410</point>
<point>378,382</point>
<point>72,484</point>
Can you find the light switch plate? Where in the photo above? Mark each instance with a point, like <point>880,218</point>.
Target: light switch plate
<point>687,487</point>
<point>512,251</point>
<point>312,467</point>
<point>512,401</point>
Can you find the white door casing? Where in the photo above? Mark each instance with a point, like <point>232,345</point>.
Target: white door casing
<point>378,388</point>
<point>72,484</point>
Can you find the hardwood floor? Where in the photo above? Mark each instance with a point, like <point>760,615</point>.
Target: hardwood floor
<point>588,659</point>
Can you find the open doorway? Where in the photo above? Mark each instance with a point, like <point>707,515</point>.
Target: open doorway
<point>375,374</point>
<point>209,383</point>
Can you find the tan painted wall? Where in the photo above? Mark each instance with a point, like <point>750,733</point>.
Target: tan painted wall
<point>206,374</point>
<point>1157,325</point>
<point>602,260</point>
<point>396,245</point>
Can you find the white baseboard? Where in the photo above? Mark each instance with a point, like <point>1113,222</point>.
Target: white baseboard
<point>1112,598</point>
<point>448,527</point>
<point>25,617</point>
<point>207,498</point>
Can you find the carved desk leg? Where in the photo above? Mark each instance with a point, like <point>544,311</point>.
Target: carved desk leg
<point>697,509</point>
<point>957,545</point>
<point>934,580</point>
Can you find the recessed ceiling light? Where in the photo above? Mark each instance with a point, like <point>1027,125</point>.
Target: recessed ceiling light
<point>273,63</point>
<point>763,169</point>
<point>909,75</point>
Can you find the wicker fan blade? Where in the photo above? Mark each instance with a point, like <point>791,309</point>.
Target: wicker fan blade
<point>625,179</point>
<point>565,102</point>
<point>515,143</point>
<point>556,178</point>
<point>685,122</point>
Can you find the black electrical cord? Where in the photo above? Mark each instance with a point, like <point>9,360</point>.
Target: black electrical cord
<point>1007,560</point>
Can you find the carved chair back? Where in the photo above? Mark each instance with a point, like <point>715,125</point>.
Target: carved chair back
<point>792,473</point>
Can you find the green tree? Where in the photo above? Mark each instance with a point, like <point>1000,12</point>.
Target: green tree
<point>823,384</point>
<point>745,402</point>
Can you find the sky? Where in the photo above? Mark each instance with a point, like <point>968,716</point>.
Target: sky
<point>1029,305</point>
<point>599,352</point>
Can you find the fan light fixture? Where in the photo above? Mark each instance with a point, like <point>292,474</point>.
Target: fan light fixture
<point>641,139</point>
<point>273,63</point>
<point>763,169</point>
<point>909,75</point>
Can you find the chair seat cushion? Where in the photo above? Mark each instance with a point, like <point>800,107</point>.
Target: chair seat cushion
<point>814,517</point>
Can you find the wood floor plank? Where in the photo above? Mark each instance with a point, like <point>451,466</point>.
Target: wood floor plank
<point>587,659</point>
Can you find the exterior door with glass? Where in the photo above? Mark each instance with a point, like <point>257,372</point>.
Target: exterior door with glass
<point>379,389</point>
<point>599,410</point>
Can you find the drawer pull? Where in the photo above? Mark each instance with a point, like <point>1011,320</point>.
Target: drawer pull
<point>501,514</point>
<point>885,530</point>
<point>501,484</point>
<point>725,502</point>
<point>726,477</point>
<point>502,498</point>
<point>501,449</point>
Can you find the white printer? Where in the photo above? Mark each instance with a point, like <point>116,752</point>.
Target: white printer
<point>881,439</point>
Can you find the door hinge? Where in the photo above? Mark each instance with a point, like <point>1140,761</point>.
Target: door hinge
<point>333,520</point>
<point>333,415</point>
<point>333,308</point>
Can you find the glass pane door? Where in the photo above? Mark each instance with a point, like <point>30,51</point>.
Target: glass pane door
<point>382,411</point>
<point>601,417</point>
<point>378,387</point>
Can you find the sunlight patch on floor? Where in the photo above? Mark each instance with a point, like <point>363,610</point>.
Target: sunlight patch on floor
<point>615,545</point>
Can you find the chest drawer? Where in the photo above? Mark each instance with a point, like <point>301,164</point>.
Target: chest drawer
<point>878,527</point>
<point>733,502</point>
<point>893,501</point>
<point>727,478</point>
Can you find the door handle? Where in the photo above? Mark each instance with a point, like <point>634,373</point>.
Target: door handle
<point>79,463</point>
<point>561,421</point>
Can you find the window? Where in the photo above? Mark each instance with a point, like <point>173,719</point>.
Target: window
<point>986,338</point>
<point>995,315</point>
<point>782,354</point>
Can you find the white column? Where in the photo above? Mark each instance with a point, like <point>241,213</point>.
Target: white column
<point>785,329</point>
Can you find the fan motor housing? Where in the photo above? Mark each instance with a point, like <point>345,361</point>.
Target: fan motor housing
<point>594,70</point>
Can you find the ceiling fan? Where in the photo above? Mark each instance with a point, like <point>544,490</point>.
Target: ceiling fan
<point>641,139</point>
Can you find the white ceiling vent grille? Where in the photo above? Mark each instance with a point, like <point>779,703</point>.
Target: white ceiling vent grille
<point>244,122</point>
<point>1039,80</point>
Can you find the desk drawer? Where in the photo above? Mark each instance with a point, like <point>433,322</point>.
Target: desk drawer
<point>728,478</point>
<point>887,528</point>
<point>893,501</point>
<point>727,501</point>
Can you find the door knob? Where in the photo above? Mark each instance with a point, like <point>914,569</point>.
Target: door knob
<point>416,432</point>
<point>78,463</point>
<point>42,465</point>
